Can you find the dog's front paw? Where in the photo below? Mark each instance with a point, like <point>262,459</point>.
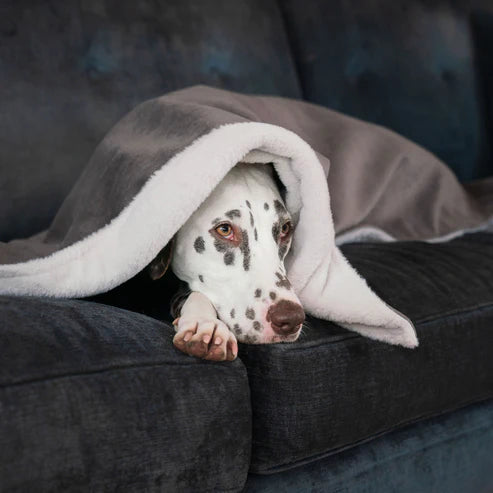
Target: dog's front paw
<point>205,338</point>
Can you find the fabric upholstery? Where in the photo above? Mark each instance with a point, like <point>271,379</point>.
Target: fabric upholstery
<point>94,398</point>
<point>89,402</point>
<point>452,453</point>
<point>70,70</point>
<point>422,69</point>
<point>333,389</point>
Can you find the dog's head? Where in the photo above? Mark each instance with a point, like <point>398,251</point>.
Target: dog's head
<point>232,250</point>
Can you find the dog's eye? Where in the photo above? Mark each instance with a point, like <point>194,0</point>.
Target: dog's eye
<point>224,229</point>
<point>286,229</point>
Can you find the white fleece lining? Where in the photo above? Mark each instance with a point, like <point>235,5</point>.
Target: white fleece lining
<point>363,233</point>
<point>115,253</point>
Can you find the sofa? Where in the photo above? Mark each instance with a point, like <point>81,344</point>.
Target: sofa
<point>93,394</point>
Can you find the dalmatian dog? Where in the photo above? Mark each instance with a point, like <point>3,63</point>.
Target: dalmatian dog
<point>231,255</point>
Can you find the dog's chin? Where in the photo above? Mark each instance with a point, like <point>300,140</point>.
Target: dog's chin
<point>289,338</point>
<point>277,338</point>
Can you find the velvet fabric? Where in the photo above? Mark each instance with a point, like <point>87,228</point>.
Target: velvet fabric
<point>159,164</point>
<point>94,398</point>
<point>452,453</point>
<point>333,389</point>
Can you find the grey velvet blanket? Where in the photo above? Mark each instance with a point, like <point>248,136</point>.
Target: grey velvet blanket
<point>161,161</point>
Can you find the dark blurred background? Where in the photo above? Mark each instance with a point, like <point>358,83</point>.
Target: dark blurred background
<point>70,69</point>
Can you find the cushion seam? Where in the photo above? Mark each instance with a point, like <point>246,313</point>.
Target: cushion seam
<point>300,462</point>
<point>422,321</point>
<point>452,313</point>
<point>109,369</point>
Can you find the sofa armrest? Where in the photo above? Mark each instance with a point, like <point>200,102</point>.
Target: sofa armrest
<point>97,398</point>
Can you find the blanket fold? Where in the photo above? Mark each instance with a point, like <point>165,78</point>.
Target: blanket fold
<point>162,160</point>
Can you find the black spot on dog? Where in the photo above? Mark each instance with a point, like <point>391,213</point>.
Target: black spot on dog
<point>276,231</point>
<point>257,326</point>
<point>250,339</point>
<point>245,249</point>
<point>232,313</point>
<point>237,330</point>
<point>282,251</point>
<point>201,278</point>
<point>266,206</point>
<point>272,295</point>
<point>233,213</point>
<point>280,209</point>
<point>248,204</point>
<point>252,222</point>
<point>220,246</point>
<point>283,281</point>
<point>229,258</point>
<point>250,313</point>
<point>258,293</point>
<point>282,217</point>
<point>199,244</point>
<point>255,234</point>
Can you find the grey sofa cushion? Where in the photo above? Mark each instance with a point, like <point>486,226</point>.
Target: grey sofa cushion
<point>95,398</point>
<point>333,389</point>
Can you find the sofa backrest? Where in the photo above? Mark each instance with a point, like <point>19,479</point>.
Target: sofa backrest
<point>69,70</point>
<point>421,68</point>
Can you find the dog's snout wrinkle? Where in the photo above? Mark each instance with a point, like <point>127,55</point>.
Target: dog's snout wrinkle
<point>285,317</point>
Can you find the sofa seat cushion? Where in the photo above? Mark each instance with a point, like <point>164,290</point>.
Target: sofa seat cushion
<point>95,398</point>
<point>333,389</point>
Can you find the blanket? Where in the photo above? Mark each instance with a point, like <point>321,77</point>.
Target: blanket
<point>161,161</point>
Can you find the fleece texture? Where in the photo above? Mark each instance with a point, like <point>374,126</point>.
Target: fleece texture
<point>162,160</point>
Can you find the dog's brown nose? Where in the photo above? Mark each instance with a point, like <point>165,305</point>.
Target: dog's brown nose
<point>285,317</point>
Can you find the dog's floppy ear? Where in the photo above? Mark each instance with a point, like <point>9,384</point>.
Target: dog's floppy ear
<point>158,267</point>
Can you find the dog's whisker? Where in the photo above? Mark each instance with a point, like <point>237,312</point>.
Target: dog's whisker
<point>303,330</point>
<point>301,336</point>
